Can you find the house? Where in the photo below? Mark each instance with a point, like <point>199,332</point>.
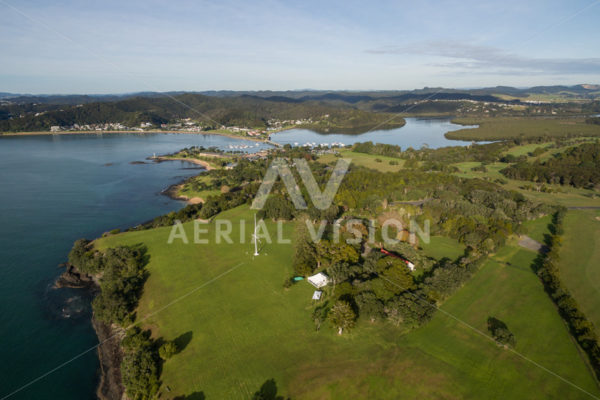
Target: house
<point>317,295</point>
<point>318,280</point>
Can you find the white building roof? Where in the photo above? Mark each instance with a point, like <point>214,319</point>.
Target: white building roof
<point>317,295</point>
<point>318,280</point>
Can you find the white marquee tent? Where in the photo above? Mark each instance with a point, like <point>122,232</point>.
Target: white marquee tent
<point>318,280</point>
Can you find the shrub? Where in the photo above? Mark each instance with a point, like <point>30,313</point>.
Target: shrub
<point>167,350</point>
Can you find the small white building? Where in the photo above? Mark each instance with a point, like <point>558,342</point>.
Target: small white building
<point>317,295</point>
<point>318,280</point>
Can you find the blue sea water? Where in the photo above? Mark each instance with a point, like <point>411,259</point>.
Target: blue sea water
<point>416,133</point>
<point>54,190</point>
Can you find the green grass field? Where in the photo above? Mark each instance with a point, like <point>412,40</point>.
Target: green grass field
<point>524,149</point>
<point>508,128</point>
<point>366,160</point>
<point>245,328</point>
<point>538,229</point>
<point>441,246</point>
<point>580,260</point>
<point>507,289</point>
<point>188,191</point>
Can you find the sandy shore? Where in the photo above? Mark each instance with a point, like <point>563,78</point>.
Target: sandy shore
<point>173,192</point>
<point>203,163</point>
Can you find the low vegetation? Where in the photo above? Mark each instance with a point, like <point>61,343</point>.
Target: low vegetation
<point>502,128</point>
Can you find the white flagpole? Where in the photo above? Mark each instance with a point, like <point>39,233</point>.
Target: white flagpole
<point>255,236</point>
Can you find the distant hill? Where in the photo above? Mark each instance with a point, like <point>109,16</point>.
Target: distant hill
<point>255,108</point>
<point>350,97</point>
<point>213,112</point>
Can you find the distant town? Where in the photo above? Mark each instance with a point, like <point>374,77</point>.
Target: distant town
<point>187,125</point>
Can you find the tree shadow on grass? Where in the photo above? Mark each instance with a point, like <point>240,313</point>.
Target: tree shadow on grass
<point>183,340</point>
<point>193,396</point>
<point>268,391</point>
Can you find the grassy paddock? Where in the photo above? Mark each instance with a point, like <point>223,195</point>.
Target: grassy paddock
<point>507,289</point>
<point>243,328</point>
<point>365,160</point>
<point>442,247</point>
<point>538,229</point>
<point>580,260</point>
<point>188,191</point>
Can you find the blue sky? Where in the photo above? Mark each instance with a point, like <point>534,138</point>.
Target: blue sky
<point>126,46</point>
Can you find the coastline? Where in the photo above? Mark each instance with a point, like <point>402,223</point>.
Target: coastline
<point>110,354</point>
<point>218,133</point>
<point>172,192</point>
<point>203,163</point>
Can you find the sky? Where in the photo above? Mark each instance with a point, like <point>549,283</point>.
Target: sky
<point>147,45</point>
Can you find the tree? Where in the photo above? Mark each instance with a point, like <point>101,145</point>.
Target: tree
<point>329,253</point>
<point>338,273</point>
<point>167,350</point>
<point>305,253</point>
<point>410,309</point>
<point>500,332</point>
<point>139,370</point>
<point>369,306</point>
<point>319,315</point>
<point>342,316</point>
<point>84,258</point>
<point>398,277</point>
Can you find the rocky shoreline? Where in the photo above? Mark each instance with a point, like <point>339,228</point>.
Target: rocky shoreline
<point>172,192</point>
<point>110,354</point>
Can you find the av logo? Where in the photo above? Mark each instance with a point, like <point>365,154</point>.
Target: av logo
<point>321,199</point>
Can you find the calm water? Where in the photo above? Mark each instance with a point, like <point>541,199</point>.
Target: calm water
<point>56,189</point>
<point>416,133</point>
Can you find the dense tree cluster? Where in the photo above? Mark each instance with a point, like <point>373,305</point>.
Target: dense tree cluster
<point>380,149</point>
<point>187,213</point>
<point>141,365</point>
<point>578,166</point>
<point>122,277</point>
<point>85,258</point>
<point>121,283</point>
